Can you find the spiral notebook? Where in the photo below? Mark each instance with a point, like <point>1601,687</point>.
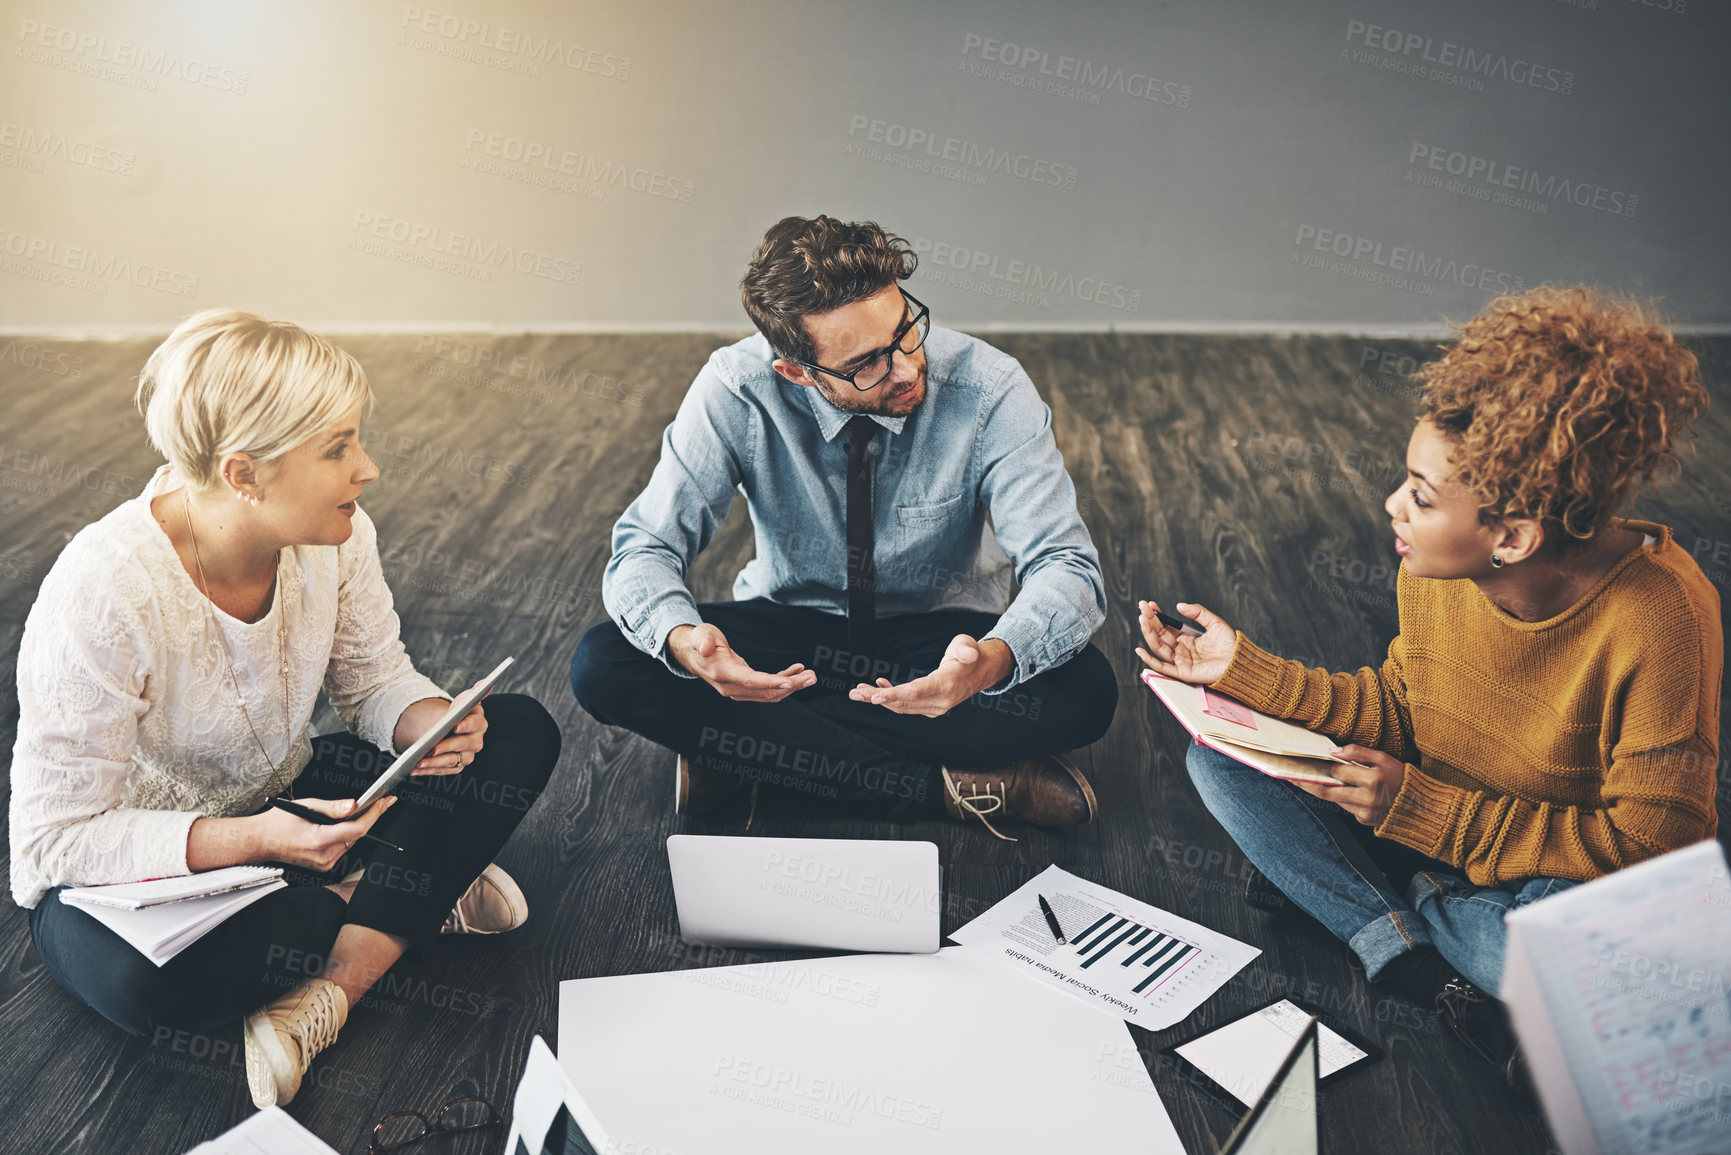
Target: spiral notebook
<point>160,917</point>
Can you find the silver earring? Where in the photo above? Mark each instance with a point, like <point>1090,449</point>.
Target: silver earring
<point>1496,561</point>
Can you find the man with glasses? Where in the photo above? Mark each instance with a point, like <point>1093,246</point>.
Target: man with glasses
<point>899,477</point>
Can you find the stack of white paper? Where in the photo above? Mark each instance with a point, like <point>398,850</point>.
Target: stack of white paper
<point>161,917</point>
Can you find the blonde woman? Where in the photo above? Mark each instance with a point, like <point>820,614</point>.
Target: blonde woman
<point>166,677</point>
<point>1550,711</point>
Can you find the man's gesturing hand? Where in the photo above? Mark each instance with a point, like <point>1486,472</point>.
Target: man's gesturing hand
<point>968,667</point>
<point>704,651</point>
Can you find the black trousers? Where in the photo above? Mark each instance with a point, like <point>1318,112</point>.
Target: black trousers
<point>450,827</point>
<point>820,741</point>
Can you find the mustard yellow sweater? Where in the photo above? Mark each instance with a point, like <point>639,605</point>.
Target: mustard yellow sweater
<point>1567,748</point>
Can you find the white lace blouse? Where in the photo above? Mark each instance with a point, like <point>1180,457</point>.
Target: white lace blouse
<point>128,728</point>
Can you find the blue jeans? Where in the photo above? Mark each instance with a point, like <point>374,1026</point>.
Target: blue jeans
<point>1346,878</point>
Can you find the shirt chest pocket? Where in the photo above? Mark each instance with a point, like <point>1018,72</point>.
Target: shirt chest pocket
<point>932,524</point>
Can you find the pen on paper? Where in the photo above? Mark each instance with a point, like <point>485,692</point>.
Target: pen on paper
<point>1052,920</point>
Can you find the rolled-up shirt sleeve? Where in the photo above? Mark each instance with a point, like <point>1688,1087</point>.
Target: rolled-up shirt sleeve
<point>370,679</point>
<point>1032,502</point>
<point>82,667</point>
<point>675,517</point>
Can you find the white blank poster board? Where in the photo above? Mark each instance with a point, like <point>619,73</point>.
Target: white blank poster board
<point>948,1052</point>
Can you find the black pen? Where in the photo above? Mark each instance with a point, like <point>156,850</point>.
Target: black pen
<point>1182,625</point>
<point>300,811</point>
<point>1051,920</point>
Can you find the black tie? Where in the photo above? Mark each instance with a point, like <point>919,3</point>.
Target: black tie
<point>861,598</point>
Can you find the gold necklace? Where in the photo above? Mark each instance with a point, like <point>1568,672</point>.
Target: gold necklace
<point>228,659</point>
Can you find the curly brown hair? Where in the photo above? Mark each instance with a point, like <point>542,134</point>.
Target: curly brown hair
<point>1560,402</point>
<point>812,265</point>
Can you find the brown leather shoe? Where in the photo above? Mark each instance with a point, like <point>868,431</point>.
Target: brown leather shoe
<point>1043,791</point>
<point>698,789</point>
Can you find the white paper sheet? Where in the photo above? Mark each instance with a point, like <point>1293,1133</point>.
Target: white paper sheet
<point>1243,1056</point>
<point>1138,962</point>
<point>1621,990</point>
<point>947,1052</point>
<point>272,1131</point>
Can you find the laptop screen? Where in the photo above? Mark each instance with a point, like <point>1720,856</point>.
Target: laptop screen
<point>564,1137</point>
<point>548,1116</point>
<point>1284,1120</point>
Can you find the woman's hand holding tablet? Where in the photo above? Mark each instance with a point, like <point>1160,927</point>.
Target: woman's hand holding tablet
<point>453,752</point>
<point>432,744</point>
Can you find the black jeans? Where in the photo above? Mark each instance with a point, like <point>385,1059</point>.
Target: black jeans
<point>450,827</point>
<point>820,741</point>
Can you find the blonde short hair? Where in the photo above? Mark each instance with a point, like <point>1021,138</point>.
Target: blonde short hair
<point>226,381</point>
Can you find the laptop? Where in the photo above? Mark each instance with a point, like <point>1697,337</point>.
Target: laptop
<point>1283,1121</point>
<point>821,893</point>
<point>548,1116</point>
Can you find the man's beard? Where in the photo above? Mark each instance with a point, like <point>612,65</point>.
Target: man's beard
<point>849,400</point>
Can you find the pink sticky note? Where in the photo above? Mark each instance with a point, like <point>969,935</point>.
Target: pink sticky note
<point>1224,708</point>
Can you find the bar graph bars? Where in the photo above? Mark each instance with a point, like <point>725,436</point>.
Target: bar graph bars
<point>1158,955</point>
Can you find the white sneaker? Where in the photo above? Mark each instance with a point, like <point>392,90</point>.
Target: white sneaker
<point>282,1037</point>
<point>492,904</point>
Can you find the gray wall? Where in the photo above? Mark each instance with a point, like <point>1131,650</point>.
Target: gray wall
<point>1197,164</point>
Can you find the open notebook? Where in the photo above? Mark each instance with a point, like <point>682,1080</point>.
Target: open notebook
<point>1618,990</point>
<point>161,917</point>
<point>1272,745</point>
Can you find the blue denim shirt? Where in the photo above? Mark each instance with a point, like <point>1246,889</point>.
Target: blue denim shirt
<point>979,447</point>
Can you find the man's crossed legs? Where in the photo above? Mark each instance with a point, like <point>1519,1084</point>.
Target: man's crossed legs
<point>821,742</point>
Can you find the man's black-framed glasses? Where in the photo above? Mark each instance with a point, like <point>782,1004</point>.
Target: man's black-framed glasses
<point>872,368</point>
<point>406,1128</point>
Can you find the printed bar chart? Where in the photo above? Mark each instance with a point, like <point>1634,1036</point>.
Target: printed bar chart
<point>1146,965</point>
<point>1160,955</point>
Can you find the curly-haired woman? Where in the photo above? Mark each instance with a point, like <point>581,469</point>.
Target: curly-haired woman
<point>1549,712</point>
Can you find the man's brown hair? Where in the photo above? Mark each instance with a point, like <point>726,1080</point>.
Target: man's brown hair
<point>809,265</point>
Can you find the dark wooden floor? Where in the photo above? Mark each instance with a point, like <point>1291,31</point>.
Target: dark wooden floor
<point>1245,473</point>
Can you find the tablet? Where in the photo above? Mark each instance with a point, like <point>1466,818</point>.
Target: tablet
<point>1242,1057</point>
<point>408,759</point>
